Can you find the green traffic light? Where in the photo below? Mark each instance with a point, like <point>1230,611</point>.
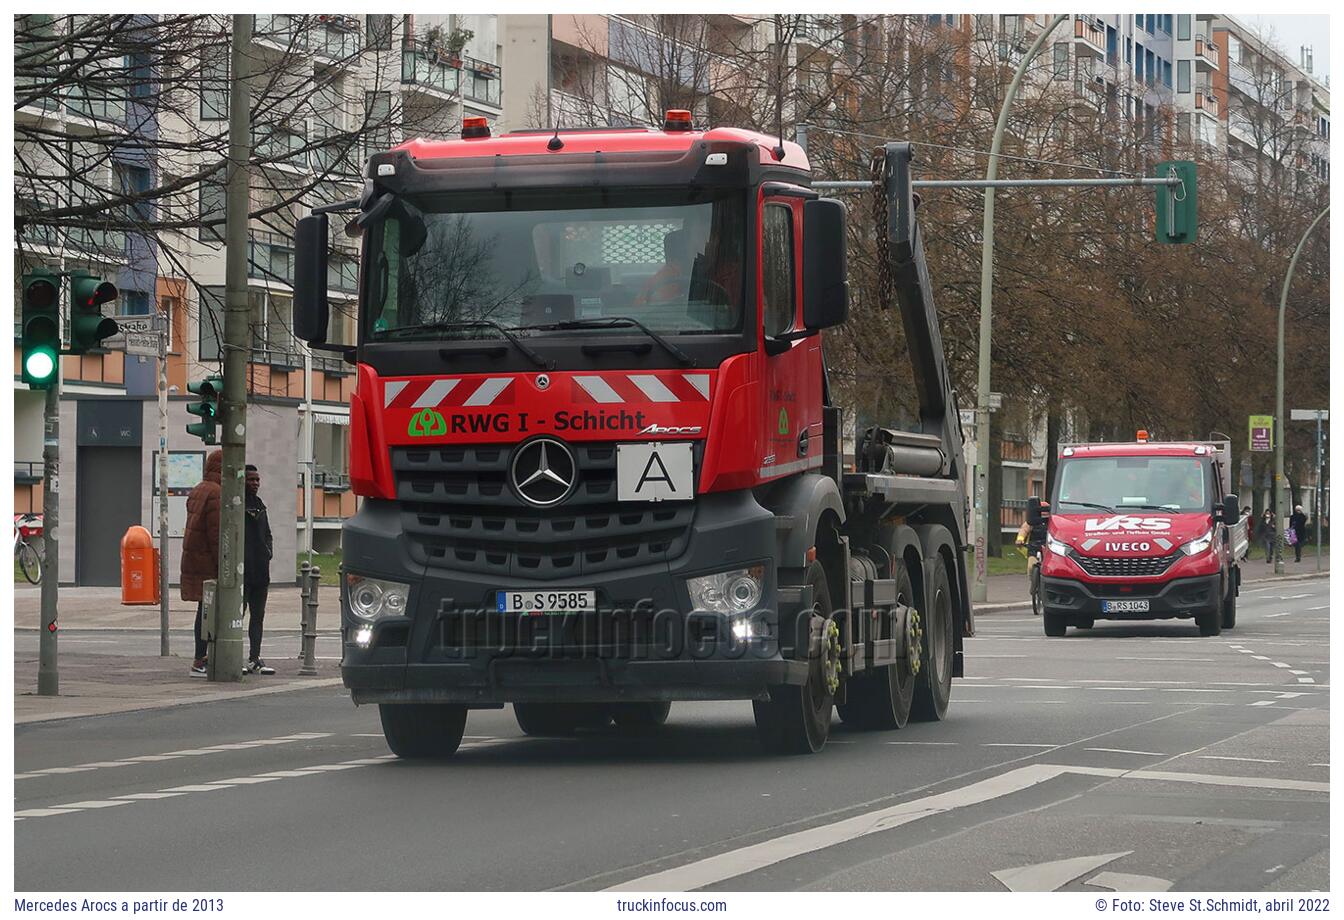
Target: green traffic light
<point>39,365</point>
<point>40,339</point>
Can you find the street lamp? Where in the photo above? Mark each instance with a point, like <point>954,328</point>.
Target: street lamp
<point>1280,509</point>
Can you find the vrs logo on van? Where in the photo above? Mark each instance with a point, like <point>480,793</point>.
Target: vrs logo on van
<point>1123,522</point>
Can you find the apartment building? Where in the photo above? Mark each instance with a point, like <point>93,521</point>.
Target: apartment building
<point>406,74</point>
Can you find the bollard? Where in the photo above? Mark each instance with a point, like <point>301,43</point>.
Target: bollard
<point>303,603</point>
<point>309,666</point>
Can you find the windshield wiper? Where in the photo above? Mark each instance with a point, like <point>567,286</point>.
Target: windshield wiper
<point>1068,501</point>
<point>1171,507</point>
<point>610,322</point>
<point>537,359</point>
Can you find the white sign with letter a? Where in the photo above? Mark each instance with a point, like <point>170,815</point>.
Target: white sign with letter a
<point>654,472</point>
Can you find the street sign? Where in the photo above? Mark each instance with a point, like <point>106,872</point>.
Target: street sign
<point>1309,415</point>
<point>1262,432</point>
<point>139,322</point>
<point>967,417</point>
<point>141,343</point>
<point>995,401</point>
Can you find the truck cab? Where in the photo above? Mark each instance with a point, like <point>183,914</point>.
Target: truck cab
<point>1140,531</point>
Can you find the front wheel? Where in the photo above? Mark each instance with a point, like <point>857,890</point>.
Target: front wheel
<point>797,719</point>
<point>422,730</point>
<point>30,562</point>
<point>1055,624</point>
<point>1211,621</point>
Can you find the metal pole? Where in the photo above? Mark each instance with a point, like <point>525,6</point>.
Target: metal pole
<point>48,675</point>
<point>308,463</point>
<point>1280,428</point>
<point>226,660</point>
<point>800,137</point>
<point>163,485</point>
<point>1319,471</point>
<point>980,589</point>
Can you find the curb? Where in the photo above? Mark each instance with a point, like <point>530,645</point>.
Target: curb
<point>166,704</point>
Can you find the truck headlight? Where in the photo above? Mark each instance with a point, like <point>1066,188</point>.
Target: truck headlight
<point>1199,545</point>
<point>734,591</point>
<point>371,598</point>
<point>1056,546</point>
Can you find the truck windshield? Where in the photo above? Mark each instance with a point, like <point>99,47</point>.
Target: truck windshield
<point>1174,484</point>
<point>671,260</point>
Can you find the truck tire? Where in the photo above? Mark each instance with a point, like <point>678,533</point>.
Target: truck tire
<point>881,700</point>
<point>1055,624</point>
<point>640,716</point>
<point>1230,606</point>
<point>422,730</point>
<point>559,720</point>
<point>933,686</point>
<point>1211,621</point>
<point>797,719</point>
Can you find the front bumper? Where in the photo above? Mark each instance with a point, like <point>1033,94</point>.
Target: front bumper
<point>640,644</point>
<point>1181,598</point>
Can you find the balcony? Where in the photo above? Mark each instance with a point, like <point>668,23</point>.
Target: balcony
<point>1207,55</point>
<point>87,102</point>
<point>1090,89</point>
<point>336,159</point>
<point>817,30</point>
<point>270,257</point>
<point>1206,102</point>
<point>430,70</point>
<point>282,147</point>
<point>1090,40</point>
<point>480,81</point>
<point>336,38</point>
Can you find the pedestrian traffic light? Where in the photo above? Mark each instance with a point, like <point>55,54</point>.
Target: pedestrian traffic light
<point>40,339</point>
<point>88,325</point>
<point>1176,210</point>
<point>209,390</point>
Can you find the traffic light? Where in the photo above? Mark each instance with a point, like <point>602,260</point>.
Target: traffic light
<point>88,325</point>
<point>209,390</point>
<point>40,340</point>
<point>1176,210</point>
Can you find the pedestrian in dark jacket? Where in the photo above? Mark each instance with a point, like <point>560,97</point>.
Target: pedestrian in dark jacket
<point>257,552</point>
<point>1267,534</point>
<point>200,547</point>
<point>1298,521</point>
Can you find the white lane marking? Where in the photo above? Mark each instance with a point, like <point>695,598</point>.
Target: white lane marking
<point>1322,607</point>
<point>1306,680</point>
<point>97,803</point>
<point>44,812</point>
<point>929,743</point>
<point>488,391</point>
<point>390,390</point>
<point>1242,759</point>
<point>1279,664</point>
<point>738,862</point>
<point>1260,657</point>
<point>653,388</point>
<point>1125,881</point>
<point>1270,616</point>
<point>246,780</point>
<point>286,774</point>
<point>1123,658</point>
<point>1318,765</point>
<point>1262,703</point>
<point>434,393</point>
<point>1025,744</point>
<point>137,796</point>
<point>598,389</point>
<point>1125,751</point>
<point>1050,876</point>
<point>197,787</point>
<point>174,755</point>
<point>1293,597</point>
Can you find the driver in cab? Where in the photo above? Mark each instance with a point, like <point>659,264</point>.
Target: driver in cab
<point>671,282</point>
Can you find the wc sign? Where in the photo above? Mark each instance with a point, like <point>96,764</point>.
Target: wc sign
<point>1262,432</point>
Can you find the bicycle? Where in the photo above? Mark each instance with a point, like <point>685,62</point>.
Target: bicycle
<point>27,556</point>
<point>1033,575</point>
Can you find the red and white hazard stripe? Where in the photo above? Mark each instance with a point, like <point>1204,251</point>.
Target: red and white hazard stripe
<point>445,391</point>
<point>636,388</point>
<point>606,389</point>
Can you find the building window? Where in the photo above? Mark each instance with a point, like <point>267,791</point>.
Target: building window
<point>1138,61</point>
<point>135,303</point>
<point>777,269</point>
<point>1164,23</point>
<point>1166,74</point>
<point>380,32</point>
<point>212,208</point>
<point>141,74</point>
<point>215,85</point>
<point>1061,60</point>
<point>1129,49</point>
<point>210,323</point>
<point>1112,44</point>
<point>1183,28</point>
<point>1182,76</point>
<point>1150,24</point>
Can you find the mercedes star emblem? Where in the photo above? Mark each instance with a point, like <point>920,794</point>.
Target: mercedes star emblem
<point>543,471</point>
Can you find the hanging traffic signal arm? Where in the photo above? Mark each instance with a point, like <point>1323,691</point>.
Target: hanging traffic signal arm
<point>88,325</point>
<point>40,339</point>
<point>209,390</point>
<point>1176,204</point>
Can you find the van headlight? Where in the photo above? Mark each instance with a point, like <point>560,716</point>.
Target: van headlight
<point>734,591</point>
<point>372,598</point>
<point>1199,545</point>
<point>1056,546</point>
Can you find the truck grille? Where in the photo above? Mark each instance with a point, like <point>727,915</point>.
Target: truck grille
<point>1139,566</point>
<point>458,512</point>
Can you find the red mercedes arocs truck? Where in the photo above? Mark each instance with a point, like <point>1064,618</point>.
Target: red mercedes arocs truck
<point>600,461</point>
<point>1141,531</point>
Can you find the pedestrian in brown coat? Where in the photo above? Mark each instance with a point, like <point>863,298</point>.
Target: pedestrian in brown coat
<point>200,546</point>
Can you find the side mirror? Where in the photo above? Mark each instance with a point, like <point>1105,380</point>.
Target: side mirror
<point>825,269</point>
<point>1037,511</point>
<point>1231,511</point>
<point>311,311</point>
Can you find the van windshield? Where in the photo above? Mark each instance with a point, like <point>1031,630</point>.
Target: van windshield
<point>1175,484</point>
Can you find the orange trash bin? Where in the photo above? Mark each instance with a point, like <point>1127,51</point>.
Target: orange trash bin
<point>139,567</point>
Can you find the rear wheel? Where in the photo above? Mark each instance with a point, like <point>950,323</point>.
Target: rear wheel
<point>933,685</point>
<point>797,719</point>
<point>640,716</point>
<point>550,720</point>
<point>882,699</point>
<point>1055,624</point>
<point>422,730</point>
<point>30,562</point>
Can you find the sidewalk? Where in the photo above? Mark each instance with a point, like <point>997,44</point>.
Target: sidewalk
<point>94,684</point>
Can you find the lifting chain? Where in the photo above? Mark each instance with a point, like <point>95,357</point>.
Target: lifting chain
<point>879,207</point>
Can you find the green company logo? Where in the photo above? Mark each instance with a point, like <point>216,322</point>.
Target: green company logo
<point>426,424</point>
<point>783,421</point>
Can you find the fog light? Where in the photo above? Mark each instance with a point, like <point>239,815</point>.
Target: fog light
<point>363,636</point>
<point>744,629</point>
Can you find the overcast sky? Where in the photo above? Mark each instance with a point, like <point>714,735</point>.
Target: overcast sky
<point>1292,32</point>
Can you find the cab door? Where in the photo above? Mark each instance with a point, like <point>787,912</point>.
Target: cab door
<point>792,392</point>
